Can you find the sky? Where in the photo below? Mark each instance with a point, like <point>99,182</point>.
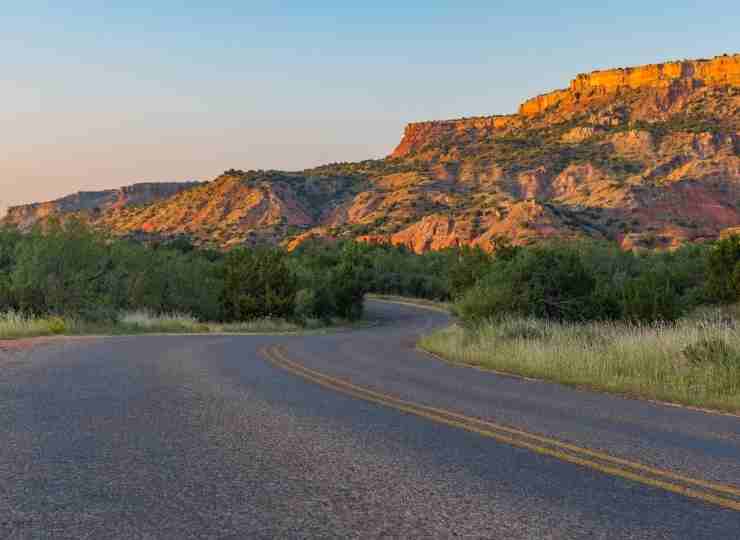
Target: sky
<point>95,96</point>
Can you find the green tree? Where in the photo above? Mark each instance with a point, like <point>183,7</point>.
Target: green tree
<point>723,272</point>
<point>468,267</point>
<point>62,271</point>
<point>257,283</point>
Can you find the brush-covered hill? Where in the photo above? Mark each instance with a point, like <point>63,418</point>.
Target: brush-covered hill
<point>646,156</point>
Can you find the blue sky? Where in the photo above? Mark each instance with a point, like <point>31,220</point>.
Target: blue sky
<point>93,96</point>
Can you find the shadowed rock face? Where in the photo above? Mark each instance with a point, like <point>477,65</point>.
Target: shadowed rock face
<point>648,157</point>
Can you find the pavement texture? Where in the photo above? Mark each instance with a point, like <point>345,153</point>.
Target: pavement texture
<point>201,437</point>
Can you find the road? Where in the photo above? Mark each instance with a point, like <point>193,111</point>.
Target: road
<point>279,437</point>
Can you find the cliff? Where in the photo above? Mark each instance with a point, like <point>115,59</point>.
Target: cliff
<point>679,77</point>
<point>689,74</point>
<point>25,216</point>
<point>647,157</point>
<point>418,134</point>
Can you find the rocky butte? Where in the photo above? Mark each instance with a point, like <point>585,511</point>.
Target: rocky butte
<point>680,76</point>
<point>140,194</point>
<point>647,157</point>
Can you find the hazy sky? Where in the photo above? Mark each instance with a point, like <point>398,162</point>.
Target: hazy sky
<point>94,97</point>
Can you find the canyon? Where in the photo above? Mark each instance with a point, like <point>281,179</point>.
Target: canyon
<point>647,157</point>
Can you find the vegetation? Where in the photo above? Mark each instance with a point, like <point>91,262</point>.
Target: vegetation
<point>583,313</point>
<point>589,281</point>
<point>67,277</point>
<point>693,362</point>
<point>656,325</point>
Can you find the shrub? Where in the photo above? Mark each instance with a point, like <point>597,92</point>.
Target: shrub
<point>545,282</point>
<point>57,325</point>
<point>712,352</point>
<point>63,271</point>
<point>582,281</point>
<point>257,284</point>
<point>314,304</point>
<point>469,265</point>
<point>723,272</point>
<point>651,296</point>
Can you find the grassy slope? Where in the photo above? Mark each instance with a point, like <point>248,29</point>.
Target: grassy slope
<point>695,362</point>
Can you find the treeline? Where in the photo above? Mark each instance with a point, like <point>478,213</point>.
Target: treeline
<point>565,281</point>
<point>70,270</point>
<point>73,271</point>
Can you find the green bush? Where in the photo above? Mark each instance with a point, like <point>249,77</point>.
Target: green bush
<point>581,281</point>
<point>467,268</point>
<point>306,305</point>
<point>547,282</point>
<point>257,284</point>
<point>651,296</point>
<point>63,271</point>
<point>723,272</point>
<point>712,352</point>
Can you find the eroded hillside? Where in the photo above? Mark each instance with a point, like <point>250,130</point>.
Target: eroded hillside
<point>646,156</point>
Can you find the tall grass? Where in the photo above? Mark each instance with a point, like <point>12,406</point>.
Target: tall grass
<point>144,321</point>
<point>15,325</point>
<point>694,361</point>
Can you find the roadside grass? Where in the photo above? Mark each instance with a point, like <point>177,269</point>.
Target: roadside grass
<point>14,325</point>
<point>695,361</point>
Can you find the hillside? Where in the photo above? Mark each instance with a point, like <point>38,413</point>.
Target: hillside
<point>646,156</point>
<point>95,202</point>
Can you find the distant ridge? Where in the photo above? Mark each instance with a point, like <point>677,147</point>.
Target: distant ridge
<point>646,157</point>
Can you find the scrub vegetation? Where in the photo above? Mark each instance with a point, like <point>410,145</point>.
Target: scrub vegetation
<point>69,279</point>
<point>661,325</point>
<point>655,325</point>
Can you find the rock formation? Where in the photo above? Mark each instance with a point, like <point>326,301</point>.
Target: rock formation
<point>648,157</point>
<point>95,202</point>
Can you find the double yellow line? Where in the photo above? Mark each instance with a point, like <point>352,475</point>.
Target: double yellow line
<point>710,492</point>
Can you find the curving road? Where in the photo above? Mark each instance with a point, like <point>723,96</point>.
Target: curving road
<point>281,437</point>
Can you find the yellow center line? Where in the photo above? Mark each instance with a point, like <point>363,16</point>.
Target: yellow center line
<point>710,492</point>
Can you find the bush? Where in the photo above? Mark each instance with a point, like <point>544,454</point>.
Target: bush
<point>651,296</point>
<point>314,304</point>
<point>712,352</point>
<point>467,268</point>
<point>723,272</point>
<point>257,284</point>
<point>63,272</point>
<point>582,281</point>
<point>545,282</point>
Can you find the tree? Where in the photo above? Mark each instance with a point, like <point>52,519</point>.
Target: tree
<point>723,273</point>
<point>257,283</point>
<point>62,271</point>
<point>470,265</point>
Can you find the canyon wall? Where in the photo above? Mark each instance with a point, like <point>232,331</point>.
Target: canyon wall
<point>418,134</point>
<point>718,71</point>
<point>139,194</point>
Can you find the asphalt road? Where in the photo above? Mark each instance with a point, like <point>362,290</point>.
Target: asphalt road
<point>202,437</point>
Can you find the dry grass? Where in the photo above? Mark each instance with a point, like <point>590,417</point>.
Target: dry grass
<point>143,321</point>
<point>694,362</point>
<point>15,325</point>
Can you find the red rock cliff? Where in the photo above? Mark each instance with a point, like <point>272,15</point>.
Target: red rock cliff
<point>419,134</point>
<point>718,71</point>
